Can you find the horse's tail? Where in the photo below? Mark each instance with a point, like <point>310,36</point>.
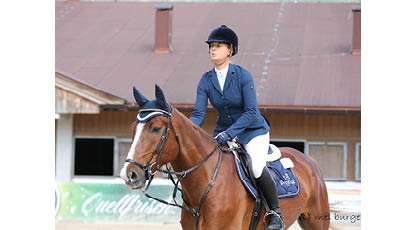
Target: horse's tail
<point>324,190</point>
<point>332,206</point>
<point>316,162</point>
<point>319,171</point>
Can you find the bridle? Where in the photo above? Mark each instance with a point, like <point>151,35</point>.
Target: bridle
<point>148,166</point>
<point>149,174</point>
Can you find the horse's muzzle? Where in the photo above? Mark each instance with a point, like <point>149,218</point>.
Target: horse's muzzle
<point>136,178</point>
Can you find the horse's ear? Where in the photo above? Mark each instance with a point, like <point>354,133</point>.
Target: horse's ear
<point>140,99</point>
<point>160,98</point>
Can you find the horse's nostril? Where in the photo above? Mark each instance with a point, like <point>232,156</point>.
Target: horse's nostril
<point>133,176</point>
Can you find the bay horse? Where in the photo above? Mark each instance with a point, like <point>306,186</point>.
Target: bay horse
<point>213,195</point>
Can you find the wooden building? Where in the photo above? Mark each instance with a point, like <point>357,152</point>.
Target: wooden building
<point>332,139</point>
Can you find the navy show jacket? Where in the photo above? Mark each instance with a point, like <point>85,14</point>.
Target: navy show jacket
<point>238,114</point>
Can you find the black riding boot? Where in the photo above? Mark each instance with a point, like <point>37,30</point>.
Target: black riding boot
<point>269,191</point>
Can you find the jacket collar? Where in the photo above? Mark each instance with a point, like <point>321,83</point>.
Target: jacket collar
<point>230,76</point>
<point>228,80</point>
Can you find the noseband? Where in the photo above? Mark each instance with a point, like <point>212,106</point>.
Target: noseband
<point>149,174</point>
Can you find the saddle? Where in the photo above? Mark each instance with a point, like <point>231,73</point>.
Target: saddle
<point>286,181</point>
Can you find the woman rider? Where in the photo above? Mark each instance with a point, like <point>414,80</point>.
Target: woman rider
<point>230,89</point>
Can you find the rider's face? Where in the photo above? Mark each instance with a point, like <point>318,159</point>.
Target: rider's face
<point>219,51</point>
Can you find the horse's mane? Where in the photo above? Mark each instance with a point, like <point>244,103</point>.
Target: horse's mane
<point>196,128</point>
<point>199,131</point>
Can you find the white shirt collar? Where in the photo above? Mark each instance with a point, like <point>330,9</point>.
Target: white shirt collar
<point>221,76</point>
<point>222,72</point>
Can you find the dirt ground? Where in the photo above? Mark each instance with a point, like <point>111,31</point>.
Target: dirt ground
<point>82,225</point>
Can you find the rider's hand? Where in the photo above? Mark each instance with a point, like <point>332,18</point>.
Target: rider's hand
<point>222,138</point>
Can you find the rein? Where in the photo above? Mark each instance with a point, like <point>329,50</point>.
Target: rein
<point>148,168</point>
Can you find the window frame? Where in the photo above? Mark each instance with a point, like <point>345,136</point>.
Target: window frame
<point>115,178</point>
<point>304,141</point>
<point>117,153</point>
<point>117,150</point>
<point>344,157</point>
<point>357,164</point>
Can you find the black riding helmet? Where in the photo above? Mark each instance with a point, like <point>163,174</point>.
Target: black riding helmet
<point>226,35</point>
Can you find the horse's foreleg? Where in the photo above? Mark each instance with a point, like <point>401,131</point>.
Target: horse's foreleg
<point>187,220</point>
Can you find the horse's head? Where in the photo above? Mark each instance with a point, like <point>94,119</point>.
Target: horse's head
<point>152,145</point>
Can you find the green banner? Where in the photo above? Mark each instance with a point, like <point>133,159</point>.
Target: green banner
<point>114,202</point>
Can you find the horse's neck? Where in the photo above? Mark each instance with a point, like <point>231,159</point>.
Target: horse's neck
<point>195,146</point>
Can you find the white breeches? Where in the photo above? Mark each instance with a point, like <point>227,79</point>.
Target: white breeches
<point>258,148</point>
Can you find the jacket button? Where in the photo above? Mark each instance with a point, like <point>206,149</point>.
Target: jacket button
<point>222,97</point>
<point>229,116</point>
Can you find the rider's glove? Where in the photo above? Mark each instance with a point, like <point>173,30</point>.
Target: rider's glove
<point>222,138</point>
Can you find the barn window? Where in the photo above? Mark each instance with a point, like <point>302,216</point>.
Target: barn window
<point>94,156</point>
<point>122,148</point>
<point>102,156</point>
<point>296,144</point>
<point>331,157</point>
<point>358,161</point>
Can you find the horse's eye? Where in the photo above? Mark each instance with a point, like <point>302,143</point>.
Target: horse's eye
<point>155,129</point>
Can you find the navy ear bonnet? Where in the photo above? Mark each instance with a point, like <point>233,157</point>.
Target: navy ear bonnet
<point>153,108</point>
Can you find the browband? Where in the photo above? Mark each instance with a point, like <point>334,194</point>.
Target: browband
<point>154,112</point>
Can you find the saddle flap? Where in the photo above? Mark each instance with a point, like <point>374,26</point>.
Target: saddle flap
<point>286,182</point>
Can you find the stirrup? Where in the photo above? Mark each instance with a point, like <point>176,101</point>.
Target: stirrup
<point>272,212</point>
